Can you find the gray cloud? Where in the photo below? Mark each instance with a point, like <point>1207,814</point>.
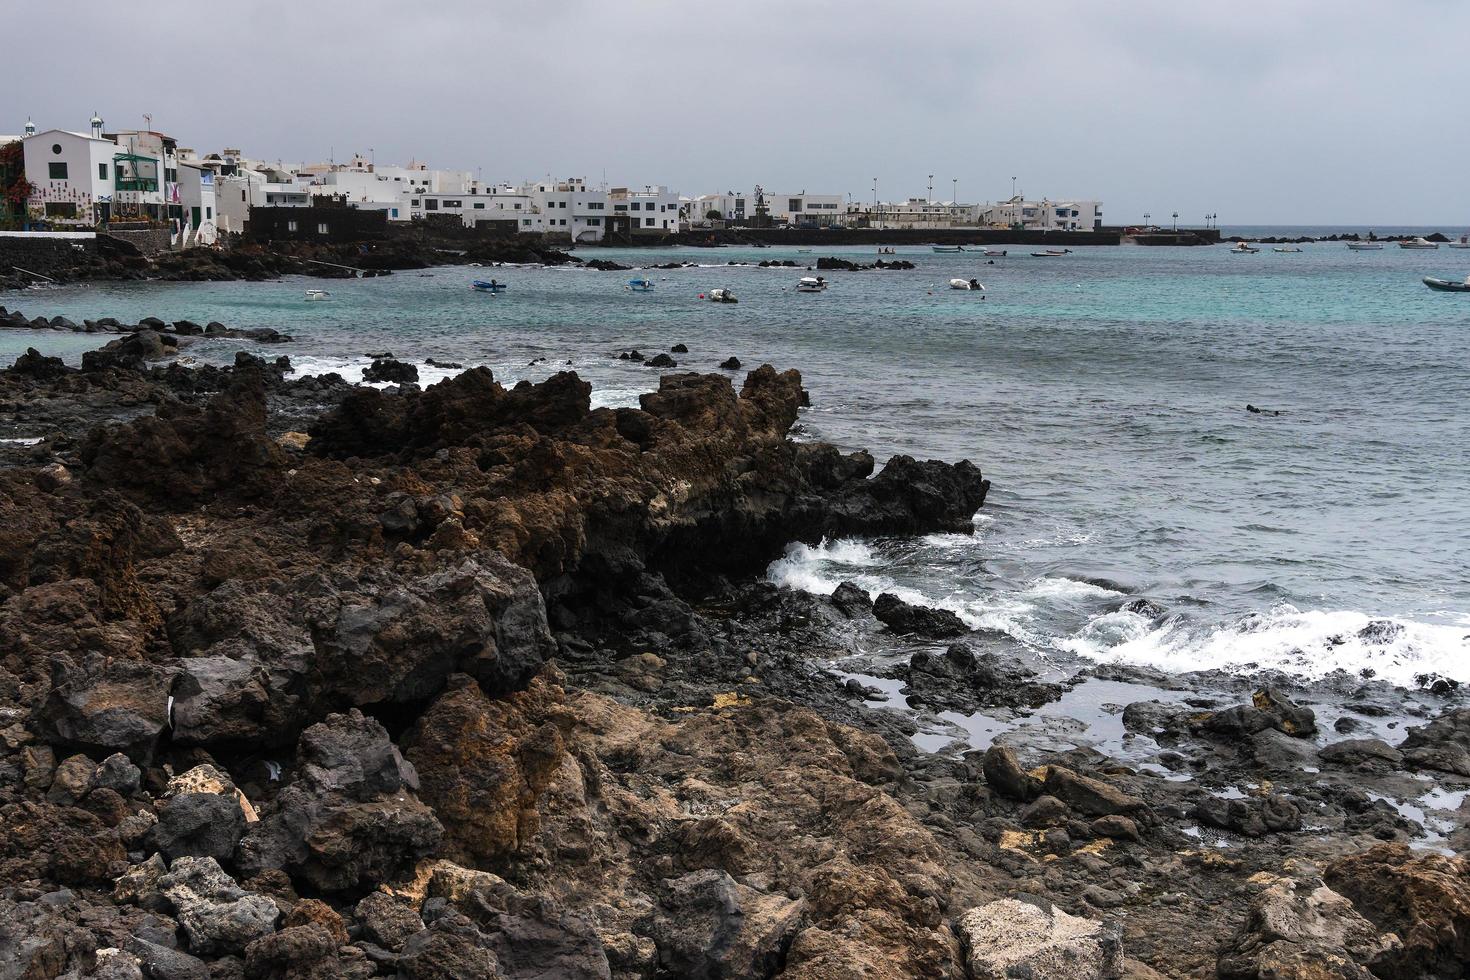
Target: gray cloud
<point>1309,111</point>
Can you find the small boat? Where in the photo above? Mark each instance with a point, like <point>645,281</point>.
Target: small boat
<point>811,284</point>
<point>1243,249</point>
<point>803,251</point>
<point>966,284</point>
<point>1286,248</point>
<point>1448,285</point>
<point>722,296</point>
<point>492,286</point>
<point>1051,253</point>
<point>1418,243</point>
<point>1365,246</point>
<point>316,295</point>
<point>1464,242</point>
<point>948,248</point>
<point>639,285</point>
<point>994,253</point>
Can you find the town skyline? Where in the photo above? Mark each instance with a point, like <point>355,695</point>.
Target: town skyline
<point>1317,114</point>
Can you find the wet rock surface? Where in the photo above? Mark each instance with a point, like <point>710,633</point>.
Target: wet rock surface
<point>299,678</point>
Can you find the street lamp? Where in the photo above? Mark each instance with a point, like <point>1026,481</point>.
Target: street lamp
<point>1013,188</point>
<point>1146,217</point>
<point>1176,220</point>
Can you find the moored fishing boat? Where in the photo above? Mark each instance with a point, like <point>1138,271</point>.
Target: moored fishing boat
<point>481,286</point>
<point>994,253</point>
<point>973,284</point>
<point>947,248</point>
<point>722,296</point>
<point>1464,242</point>
<point>1365,246</point>
<point>317,295</point>
<point>1447,285</point>
<point>1242,248</point>
<point>1418,243</point>
<point>1286,248</point>
<point>639,285</point>
<point>811,284</point>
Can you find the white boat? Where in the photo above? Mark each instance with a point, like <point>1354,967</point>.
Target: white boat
<point>948,248</point>
<point>1286,248</point>
<point>639,285</point>
<point>1418,243</point>
<point>1365,246</point>
<point>722,296</point>
<point>811,284</point>
<point>966,284</point>
<point>1464,242</point>
<point>316,295</point>
<point>803,251</point>
<point>1243,249</point>
<point>994,253</point>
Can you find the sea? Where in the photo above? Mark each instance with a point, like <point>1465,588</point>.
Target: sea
<point>1104,393</point>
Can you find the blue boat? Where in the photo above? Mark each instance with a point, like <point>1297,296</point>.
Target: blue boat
<point>640,285</point>
<point>489,287</point>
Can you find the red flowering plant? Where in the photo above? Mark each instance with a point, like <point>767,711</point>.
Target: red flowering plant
<point>15,190</point>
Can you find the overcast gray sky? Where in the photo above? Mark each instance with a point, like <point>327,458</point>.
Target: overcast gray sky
<point>1292,111</point>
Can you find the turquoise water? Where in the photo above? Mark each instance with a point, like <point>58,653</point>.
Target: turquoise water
<point>1103,392</point>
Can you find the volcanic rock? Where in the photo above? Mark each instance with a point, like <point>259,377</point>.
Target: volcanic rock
<point>1013,938</point>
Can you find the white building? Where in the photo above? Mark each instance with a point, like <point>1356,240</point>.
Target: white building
<point>652,210</point>
<point>916,212</point>
<point>197,199</point>
<point>1043,215</point>
<point>75,175</point>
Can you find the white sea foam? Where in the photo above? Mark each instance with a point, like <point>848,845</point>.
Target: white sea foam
<point>1308,644</point>
<point>1066,588</point>
<point>20,442</point>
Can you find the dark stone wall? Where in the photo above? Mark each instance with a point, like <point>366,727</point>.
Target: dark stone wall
<point>344,225</point>
<point>48,256</point>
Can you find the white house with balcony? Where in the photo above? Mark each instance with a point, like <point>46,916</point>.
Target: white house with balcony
<point>652,209</point>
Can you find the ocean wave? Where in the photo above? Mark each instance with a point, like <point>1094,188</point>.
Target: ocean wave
<point>1310,644</point>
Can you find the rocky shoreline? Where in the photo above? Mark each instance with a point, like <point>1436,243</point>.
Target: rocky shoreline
<point>307,679</point>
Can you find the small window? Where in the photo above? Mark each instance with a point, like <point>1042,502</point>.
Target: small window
<point>290,226</point>
<point>242,195</point>
<point>56,148</point>
<point>594,222</point>
<point>57,171</point>
<point>321,228</point>
<point>563,204</point>
<point>526,222</point>
<point>414,202</point>
<point>209,213</point>
<point>479,205</point>
<point>648,222</point>
<point>430,204</point>
<point>101,171</point>
<point>518,207</point>
<point>394,212</point>
<point>635,206</point>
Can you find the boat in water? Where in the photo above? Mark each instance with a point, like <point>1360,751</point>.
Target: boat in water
<point>639,286</point>
<point>1447,285</point>
<point>811,284</point>
<point>1242,248</point>
<point>1286,248</point>
<point>966,284</point>
<point>1051,253</point>
<point>317,295</point>
<point>1418,243</point>
<point>994,253</point>
<point>947,248</point>
<point>1464,242</point>
<point>722,296</point>
<point>1365,246</point>
<point>886,250</point>
<point>803,251</point>
<point>481,286</point>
